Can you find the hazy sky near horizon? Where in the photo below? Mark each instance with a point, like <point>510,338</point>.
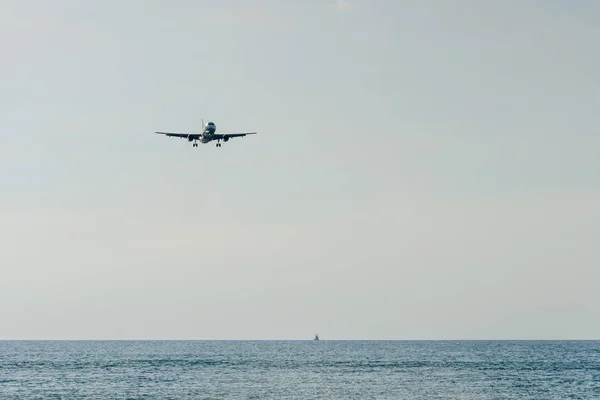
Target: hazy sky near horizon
<point>422,170</point>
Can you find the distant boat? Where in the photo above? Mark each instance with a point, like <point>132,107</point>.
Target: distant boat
<point>316,337</point>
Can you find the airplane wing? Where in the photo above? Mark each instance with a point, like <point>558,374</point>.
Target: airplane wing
<point>231,135</point>
<point>180,135</point>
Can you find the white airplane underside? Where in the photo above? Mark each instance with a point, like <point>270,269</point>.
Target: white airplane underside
<point>208,135</point>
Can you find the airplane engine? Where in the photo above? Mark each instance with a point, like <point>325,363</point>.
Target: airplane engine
<point>190,138</point>
<point>226,138</point>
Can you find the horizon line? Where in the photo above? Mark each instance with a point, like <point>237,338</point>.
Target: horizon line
<point>296,340</point>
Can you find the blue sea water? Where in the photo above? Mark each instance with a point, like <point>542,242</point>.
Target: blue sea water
<point>299,370</point>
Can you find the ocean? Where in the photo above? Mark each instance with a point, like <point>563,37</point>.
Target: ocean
<point>300,369</point>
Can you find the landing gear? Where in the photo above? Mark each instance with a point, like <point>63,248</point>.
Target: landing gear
<point>218,144</point>
<point>194,144</point>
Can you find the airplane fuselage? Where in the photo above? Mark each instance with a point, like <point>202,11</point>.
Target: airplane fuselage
<point>208,133</point>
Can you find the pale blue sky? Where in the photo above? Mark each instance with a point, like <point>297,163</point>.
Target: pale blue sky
<point>423,169</point>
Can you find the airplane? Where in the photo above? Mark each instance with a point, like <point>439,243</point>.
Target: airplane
<point>207,135</point>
